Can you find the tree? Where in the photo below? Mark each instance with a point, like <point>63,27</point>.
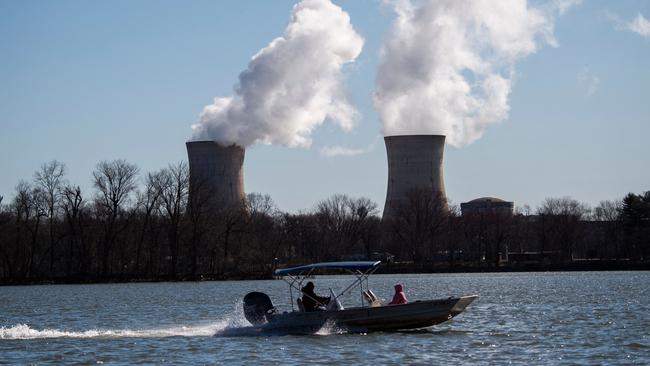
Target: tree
<point>342,220</point>
<point>263,241</point>
<point>607,213</point>
<point>73,208</point>
<point>489,233</point>
<point>364,224</point>
<point>304,238</point>
<point>50,178</point>
<point>635,215</point>
<point>148,202</point>
<point>5,218</point>
<point>115,181</point>
<point>172,185</point>
<point>561,223</point>
<point>417,223</point>
<point>29,209</point>
<point>230,222</point>
<point>523,230</point>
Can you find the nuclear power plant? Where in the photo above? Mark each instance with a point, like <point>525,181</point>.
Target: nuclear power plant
<point>414,164</point>
<point>216,173</point>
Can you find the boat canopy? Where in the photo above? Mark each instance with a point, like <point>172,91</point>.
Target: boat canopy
<point>351,265</point>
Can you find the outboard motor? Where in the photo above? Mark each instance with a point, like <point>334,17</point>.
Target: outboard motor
<point>257,305</point>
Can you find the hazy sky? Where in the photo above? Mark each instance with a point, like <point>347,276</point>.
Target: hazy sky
<point>84,81</point>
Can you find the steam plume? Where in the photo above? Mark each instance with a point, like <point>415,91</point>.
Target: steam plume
<point>639,25</point>
<point>291,86</point>
<point>447,65</point>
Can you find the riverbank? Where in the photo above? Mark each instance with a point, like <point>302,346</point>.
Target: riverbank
<point>592,265</point>
<point>391,268</point>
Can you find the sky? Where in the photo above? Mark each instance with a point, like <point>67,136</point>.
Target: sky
<point>82,82</point>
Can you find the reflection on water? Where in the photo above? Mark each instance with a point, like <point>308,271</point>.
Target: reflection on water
<point>522,318</point>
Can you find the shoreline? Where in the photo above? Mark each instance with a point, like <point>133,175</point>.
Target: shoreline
<point>395,268</point>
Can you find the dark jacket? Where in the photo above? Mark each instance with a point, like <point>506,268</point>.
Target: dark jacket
<point>310,300</point>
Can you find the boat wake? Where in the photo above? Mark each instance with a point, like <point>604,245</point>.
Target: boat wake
<point>232,326</point>
<point>24,331</point>
<point>230,322</point>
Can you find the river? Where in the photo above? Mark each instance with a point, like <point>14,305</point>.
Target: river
<point>577,318</point>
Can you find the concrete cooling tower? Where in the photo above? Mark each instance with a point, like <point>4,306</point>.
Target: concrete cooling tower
<point>414,163</point>
<point>216,173</point>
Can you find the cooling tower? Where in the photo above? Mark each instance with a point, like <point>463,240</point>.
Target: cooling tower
<point>414,164</point>
<point>216,173</point>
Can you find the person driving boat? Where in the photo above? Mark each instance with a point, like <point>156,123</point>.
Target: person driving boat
<point>310,300</point>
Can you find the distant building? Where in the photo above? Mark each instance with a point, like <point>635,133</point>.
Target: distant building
<point>485,205</point>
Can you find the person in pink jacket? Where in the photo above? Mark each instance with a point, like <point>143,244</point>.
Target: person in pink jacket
<point>399,297</point>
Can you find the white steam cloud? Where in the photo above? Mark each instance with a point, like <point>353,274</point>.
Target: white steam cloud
<point>639,25</point>
<point>290,87</point>
<point>447,65</point>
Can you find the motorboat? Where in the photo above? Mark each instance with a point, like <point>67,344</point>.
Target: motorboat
<point>372,315</point>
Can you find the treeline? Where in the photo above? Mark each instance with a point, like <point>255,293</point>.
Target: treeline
<point>562,233</point>
<point>135,226</point>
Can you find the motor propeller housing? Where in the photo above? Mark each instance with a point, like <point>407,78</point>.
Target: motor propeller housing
<point>257,305</point>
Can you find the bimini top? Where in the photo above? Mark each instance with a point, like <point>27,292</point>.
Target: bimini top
<point>352,265</point>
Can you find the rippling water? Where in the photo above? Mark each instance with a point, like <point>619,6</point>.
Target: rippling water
<point>521,318</point>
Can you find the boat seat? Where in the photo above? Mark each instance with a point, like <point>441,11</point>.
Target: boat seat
<point>301,307</point>
<point>372,299</point>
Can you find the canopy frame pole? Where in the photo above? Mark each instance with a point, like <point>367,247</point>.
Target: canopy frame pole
<point>296,281</point>
<point>360,277</point>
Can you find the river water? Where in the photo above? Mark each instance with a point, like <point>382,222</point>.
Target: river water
<point>583,318</point>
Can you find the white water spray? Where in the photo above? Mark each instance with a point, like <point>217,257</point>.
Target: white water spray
<point>234,320</point>
<point>24,331</point>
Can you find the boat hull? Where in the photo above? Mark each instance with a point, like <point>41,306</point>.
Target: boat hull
<point>419,314</point>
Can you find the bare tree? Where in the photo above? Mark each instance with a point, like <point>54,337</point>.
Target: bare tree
<point>418,222</point>
<point>523,229</point>
<point>608,214</point>
<point>524,210</point>
<point>303,237</point>
<point>262,241</point>
<point>561,219</point>
<point>148,202</point>
<point>333,214</point>
<point>362,211</point>
<point>5,218</point>
<point>260,204</point>
<point>230,223</point>
<point>172,185</point>
<point>29,210</point>
<point>50,178</point>
<point>474,227</point>
<point>115,181</point>
<point>73,207</point>
<point>499,231</point>
<point>342,220</point>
